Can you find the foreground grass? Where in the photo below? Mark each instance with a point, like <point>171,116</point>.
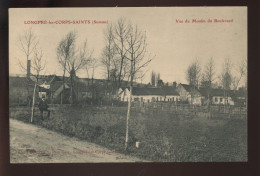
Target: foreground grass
<point>162,136</point>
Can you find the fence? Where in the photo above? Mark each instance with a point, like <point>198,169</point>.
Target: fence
<point>172,109</point>
<point>186,110</point>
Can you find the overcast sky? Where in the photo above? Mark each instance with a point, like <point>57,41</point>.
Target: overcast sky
<point>175,45</point>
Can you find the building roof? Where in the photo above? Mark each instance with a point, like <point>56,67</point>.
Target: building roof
<point>57,84</point>
<point>147,91</point>
<point>241,93</point>
<point>215,92</point>
<point>153,91</point>
<point>19,81</point>
<point>170,91</point>
<point>189,88</point>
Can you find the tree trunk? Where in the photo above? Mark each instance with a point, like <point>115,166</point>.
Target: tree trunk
<point>71,90</point>
<point>33,101</point>
<point>127,118</point>
<point>51,97</point>
<point>63,83</point>
<point>61,97</point>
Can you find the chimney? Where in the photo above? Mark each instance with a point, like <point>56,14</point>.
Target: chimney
<point>28,68</point>
<point>174,84</point>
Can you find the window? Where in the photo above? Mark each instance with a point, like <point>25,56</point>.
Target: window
<point>157,99</point>
<point>142,99</point>
<point>216,99</point>
<point>153,99</point>
<point>42,94</point>
<point>160,98</point>
<point>136,99</point>
<point>172,98</point>
<point>221,99</point>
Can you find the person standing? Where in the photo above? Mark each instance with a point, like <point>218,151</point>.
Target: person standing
<point>43,106</point>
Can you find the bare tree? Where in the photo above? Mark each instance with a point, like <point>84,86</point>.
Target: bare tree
<point>158,77</point>
<point>141,75</point>
<point>193,73</point>
<point>121,32</point>
<point>241,72</point>
<point>108,53</point>
<point>27,44</point>
<point>209,76</point>
<point>209,72</point>
<point>72,59</point>
<point>226,79</point>
<point>65,51</point>
<point>81,59</point>
<point>136,42</point>
<point>38,65</point>
<point>93,64</point>
<point>193,76</point>
<point>226,76</point>
<point>109,50</point>
<point>153,78</point>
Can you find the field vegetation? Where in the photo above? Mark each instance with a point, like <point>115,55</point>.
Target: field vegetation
<point>163,136</point>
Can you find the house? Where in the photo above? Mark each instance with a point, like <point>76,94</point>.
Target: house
<point>240,97</point>
<point>218,96</point>
<point>91,88</point>
<point>51,87</point>
<point>58,92</point>
<point>190,94</point>
<point>171,94</point>
<point>145,94</point>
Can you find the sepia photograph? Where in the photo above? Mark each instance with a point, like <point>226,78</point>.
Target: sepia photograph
<point>128,84</point>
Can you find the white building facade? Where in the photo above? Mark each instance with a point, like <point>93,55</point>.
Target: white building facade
<point>148,95</point>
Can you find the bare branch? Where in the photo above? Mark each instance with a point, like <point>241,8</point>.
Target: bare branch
<point>28,42</point>
<point>193,73</point>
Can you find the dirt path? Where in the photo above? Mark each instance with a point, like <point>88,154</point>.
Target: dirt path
<point>32,144</point>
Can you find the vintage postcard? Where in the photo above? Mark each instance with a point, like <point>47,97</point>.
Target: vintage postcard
<point>146,84</point>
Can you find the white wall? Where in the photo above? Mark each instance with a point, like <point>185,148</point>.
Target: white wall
<point>148,98</point>
<point>217,100</point>
<point>172,98</point>
<point>124,96</point>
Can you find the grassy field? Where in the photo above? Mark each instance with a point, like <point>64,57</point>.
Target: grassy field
<point>162,136</point>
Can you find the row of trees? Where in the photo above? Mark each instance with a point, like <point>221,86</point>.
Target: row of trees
<point>229,78</point>
<point>155,77</point>
<point>124,57</point>
<point>124,41</point>
<point>125,54</point>
<point>73,58</point>
<point>29,46</point>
